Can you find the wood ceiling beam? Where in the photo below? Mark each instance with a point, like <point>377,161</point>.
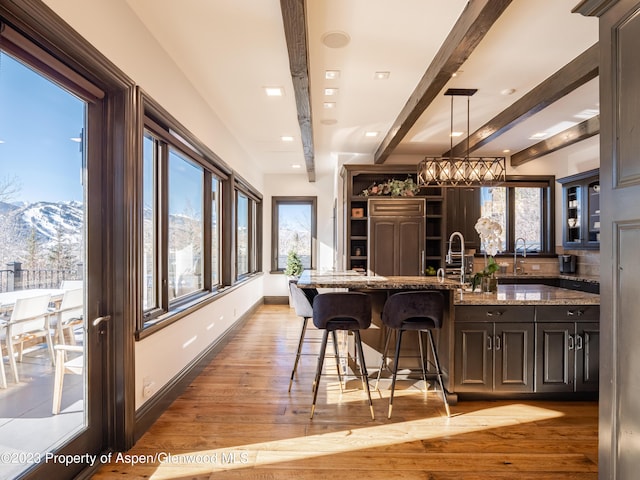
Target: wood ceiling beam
<point>567,137</point>
<point>573,75</point>
<point>474,22</point>
<point>295,31</point>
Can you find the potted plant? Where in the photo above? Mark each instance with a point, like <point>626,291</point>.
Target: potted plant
<point>294,264</point>
<point>490,232</point>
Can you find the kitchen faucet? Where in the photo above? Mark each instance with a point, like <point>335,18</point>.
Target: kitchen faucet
<point>449,253</point>
<point>515,254</point>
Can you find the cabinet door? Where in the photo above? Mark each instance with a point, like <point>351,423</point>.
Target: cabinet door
<point>474,357</point>
<point>411,246</point>
<point>555,357</point>
<point>463,211</point>
<point>382,246</point>
<point>513,347</point>
<point>587,356</point>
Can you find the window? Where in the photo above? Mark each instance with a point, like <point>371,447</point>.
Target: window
<point>293,229</point>
<point>242,235</point>
<point>215,230</point>
<point>186,199</point>
<point>150,297</point>
<point>523,207</point>
<point>248,244</point>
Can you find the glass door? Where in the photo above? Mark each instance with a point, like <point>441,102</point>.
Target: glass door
<point>50,282</point>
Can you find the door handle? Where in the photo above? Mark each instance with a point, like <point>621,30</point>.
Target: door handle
<point>489,342</point>
<point>579,342</point>
<point>498,342</point>
<point>571,342</point>
<point>101,323</point>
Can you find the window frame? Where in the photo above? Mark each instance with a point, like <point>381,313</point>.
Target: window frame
<point>546,183</point>
<point>170,135</point>
<point>275,227</point>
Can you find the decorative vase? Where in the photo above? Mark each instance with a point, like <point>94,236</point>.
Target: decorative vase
<point>489,284</point>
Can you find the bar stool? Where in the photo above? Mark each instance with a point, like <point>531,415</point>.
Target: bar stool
<point>302,300</point>
<point>350,311</point>
<point>420,311</point>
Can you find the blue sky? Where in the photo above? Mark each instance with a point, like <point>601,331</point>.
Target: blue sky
<point>38,119</point>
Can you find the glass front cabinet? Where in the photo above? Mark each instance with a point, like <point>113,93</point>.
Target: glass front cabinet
<point>581,210</point>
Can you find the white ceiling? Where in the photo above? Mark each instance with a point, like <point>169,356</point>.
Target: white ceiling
<point>232,49</point>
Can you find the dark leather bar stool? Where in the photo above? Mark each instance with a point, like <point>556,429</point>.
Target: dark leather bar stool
<point>302,300</point>
<point>421,311</point>
<point>350,311</point>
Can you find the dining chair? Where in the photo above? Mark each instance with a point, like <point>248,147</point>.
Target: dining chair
<point>29,320</point>
<point>421,311</point>
<point>63,366</point>
<point>68,316</point>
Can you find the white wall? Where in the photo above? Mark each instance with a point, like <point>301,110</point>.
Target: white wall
<point>162,355</point>
<point>298,185</point>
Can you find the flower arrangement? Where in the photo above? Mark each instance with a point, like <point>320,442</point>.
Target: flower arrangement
<point>490,232</point>
<point>394,188</point>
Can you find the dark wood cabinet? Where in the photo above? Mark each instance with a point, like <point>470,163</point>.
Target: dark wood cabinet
<point>494,356</point>
<point>568,349</point>
<point>463,210</point>
<point>581,210</point>
<point>396,236</point>
<point>359,244</point>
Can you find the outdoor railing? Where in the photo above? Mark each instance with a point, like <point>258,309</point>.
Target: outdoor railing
<point>15,278</point>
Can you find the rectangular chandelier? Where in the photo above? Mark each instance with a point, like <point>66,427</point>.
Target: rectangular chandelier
<point>462,171</point>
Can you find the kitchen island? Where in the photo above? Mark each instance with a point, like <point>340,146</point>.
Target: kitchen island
<point>524,340</point>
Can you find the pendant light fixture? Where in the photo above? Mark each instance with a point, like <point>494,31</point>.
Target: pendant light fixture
<point>461,171</point>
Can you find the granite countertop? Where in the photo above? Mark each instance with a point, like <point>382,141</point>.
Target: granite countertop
<point>563,276</point>
<point>350,279</point>
<point>527,295</point>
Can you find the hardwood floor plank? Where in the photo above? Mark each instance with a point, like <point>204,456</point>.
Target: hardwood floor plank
<point>240,413</point>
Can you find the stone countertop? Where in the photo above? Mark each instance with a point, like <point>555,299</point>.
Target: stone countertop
<point>523,294</point>
<point>563,276</point>
<point>350,279</point>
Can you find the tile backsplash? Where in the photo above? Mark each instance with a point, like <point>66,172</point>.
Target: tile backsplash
<point>587,263</point>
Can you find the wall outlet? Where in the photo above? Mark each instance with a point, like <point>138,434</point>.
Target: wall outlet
<point>535,266</point>
<point>147,388</point>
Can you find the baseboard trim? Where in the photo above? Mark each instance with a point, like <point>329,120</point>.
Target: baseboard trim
<point>151,410</point>
<point>279,300</point>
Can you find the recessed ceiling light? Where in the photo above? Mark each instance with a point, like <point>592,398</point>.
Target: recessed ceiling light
<point>296,165</point>
<point>506,150</point>
<point>274,91</point>
<point>330,91</point>
<point>335,39</point>
<point>371,134</point>
<point>538,136</point>
<point>287,138</point>
<point>456,134</point>
<point>587,113</point>
<point>455,74</point>
<point>381,75</point>
<point>332,74</point>
<point>508,91</point>
<point>329,104</point>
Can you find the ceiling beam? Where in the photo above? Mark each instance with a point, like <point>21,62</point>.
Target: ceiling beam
<point>295,31</point>
<point>567,137</point>
<point>474,22</point>
<point>573,75</point>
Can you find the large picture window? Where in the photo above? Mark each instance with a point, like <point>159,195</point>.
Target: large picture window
<point>524,209</point>
<point>293,229</point>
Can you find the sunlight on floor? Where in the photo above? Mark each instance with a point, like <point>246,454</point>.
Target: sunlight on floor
<point>299,448</point>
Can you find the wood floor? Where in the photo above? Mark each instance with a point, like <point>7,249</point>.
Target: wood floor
<point>237,421</point>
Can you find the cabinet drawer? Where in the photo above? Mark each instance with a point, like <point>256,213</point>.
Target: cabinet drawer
<point>494,313</point>
<point>392,207</point>
<point>563,313</point>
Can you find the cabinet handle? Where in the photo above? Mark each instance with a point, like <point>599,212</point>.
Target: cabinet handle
<point>571,342</point>
<point>489,342</point>
<point>494,314</point>
<point>575,313</point>
<point>498,342</point>
<point>579,342</point>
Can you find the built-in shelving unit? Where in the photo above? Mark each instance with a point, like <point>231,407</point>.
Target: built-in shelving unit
<point>581,210</point>
<point>358,178</point>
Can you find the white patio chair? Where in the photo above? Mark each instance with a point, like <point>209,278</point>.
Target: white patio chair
<point>74,366</point>
<point>29,320</point>
<point>68,315</point>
